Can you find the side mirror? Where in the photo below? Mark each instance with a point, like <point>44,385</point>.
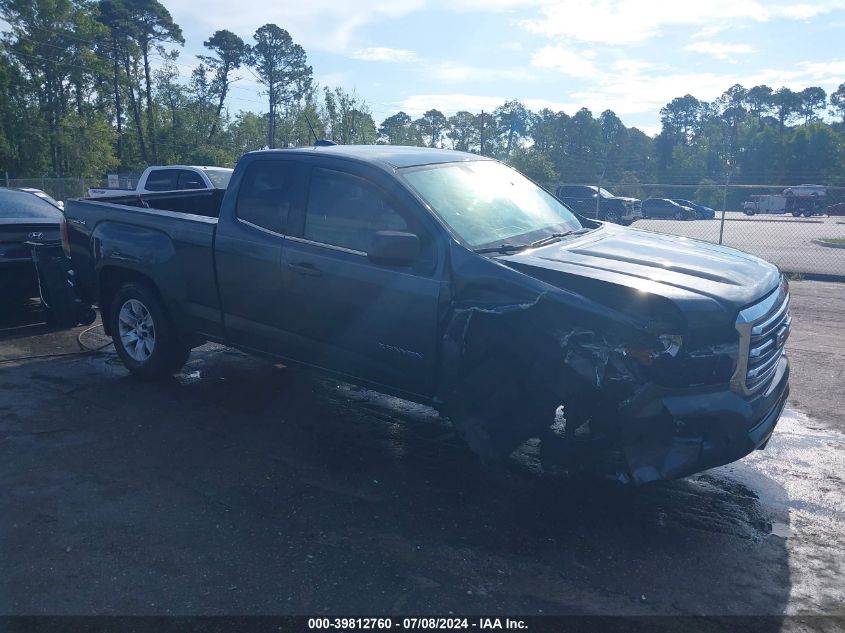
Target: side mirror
<point>393,248</point>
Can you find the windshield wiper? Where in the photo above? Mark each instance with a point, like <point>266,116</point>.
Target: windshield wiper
<point>554,237</point>
<point>502,248</point>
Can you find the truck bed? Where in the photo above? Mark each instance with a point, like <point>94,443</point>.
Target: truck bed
<point>167,237</point>
<point>204,202</point>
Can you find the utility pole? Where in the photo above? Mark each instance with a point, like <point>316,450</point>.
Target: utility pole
<point>598,191</point>
<point>725,204</point>
<point>482,132</point>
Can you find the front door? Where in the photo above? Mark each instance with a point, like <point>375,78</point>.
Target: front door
<point>349,314</point>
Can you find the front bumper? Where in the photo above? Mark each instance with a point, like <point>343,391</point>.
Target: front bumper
<point>667,434</point>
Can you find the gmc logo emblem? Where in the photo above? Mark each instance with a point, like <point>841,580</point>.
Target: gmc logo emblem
<point>35,235</point>
<point>780,337</point>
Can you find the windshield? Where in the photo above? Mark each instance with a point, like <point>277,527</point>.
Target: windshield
<point>219,177</point>
<point>605,193</point>
<point>19,204</point>
<point>487,203</point>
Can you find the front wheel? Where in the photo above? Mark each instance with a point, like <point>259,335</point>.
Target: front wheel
<point>611,217</point>
<point>143,335</point>
<point>679,216</point>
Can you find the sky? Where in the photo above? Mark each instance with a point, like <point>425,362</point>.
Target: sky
<point>629,56</point>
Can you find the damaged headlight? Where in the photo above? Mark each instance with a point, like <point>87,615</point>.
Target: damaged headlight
<point>665,344</point>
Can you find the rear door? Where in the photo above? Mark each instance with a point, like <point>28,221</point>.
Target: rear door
<point>349,314</point>
<point>248,251</point>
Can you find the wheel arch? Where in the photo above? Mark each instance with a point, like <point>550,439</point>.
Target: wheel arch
<point>111,278</point>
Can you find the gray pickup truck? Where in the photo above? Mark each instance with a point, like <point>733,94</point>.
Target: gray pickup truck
<point>452,280</point>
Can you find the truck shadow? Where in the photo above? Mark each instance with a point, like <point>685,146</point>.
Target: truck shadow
<point>313,496</point>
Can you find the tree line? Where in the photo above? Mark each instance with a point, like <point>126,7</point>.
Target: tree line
<point>92,86</point>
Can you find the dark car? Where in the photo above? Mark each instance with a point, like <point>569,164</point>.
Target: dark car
<point>450,279</point>
<point>600,204</point>
<point>701,212</point>
<point>25,218</point>
<point>835,209</point>
<point>663,208</point>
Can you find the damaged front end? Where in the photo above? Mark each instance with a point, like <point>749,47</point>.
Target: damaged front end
<point>606,377</point>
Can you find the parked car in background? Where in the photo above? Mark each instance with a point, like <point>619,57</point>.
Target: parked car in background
<point>587,200</point>
<point>749,207</point>
<point>835,209</point>
<point>701,212</point>
<point>44,196</point>
<point>24,218</point>
<point>663,208</point>
<point>172,178</point>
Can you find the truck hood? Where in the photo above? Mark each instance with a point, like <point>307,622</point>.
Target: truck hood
<point>705,281</point>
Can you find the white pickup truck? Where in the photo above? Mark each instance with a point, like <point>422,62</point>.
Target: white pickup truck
<point>172,178</point>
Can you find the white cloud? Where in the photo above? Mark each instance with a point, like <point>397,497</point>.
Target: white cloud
<point>450,103</point>
<point>719,50</point>
<point>632,21</point>
<point>565,61</point>
<point>384,54</point>
<point>326,25</point>
<point>455,72</point>
<point>644,89</point>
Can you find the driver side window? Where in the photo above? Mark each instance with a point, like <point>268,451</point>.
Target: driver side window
<point>344,210</point>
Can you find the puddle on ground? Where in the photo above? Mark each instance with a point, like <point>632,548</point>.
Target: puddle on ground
<point>780,529</point>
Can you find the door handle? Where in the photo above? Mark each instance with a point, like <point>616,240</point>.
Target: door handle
<point>304,268</point>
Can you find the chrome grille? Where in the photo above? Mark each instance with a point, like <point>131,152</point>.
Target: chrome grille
<point>763,329</point>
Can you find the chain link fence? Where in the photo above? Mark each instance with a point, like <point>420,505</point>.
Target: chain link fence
<point>807,244</point>
<point>758,219</point>
<point>58,188</point>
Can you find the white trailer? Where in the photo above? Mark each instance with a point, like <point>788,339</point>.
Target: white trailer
<point>765,204</point>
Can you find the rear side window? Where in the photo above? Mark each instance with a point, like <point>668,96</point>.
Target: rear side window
<point>162,180</point>
<point>344,210</point>
<point>190,180</point>
<point>19,204</point>
<point>265,194</point>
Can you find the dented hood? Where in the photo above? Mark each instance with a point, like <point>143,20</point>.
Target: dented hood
<point>704,280</point>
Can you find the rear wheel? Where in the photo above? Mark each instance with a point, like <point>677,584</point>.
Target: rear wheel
<point>143,334</point>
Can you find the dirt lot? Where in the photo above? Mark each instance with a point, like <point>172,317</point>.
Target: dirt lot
<point>241,487</point>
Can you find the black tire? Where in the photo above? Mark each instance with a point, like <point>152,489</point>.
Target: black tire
<point>612,217</point>
<point>153,359</point>
<point>680,216</point>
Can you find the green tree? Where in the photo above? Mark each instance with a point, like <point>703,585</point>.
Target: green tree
<point>786,104</point>
<point>813,100</point>
<point>396,129</point>
<point>534,164</point>
<point>462,131</point>
<point>281,66</point>
<point>837,101</point>
<point>512,120</point>
<point>230,53</point>
<point>431,126</point>
<point>153,24</point>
